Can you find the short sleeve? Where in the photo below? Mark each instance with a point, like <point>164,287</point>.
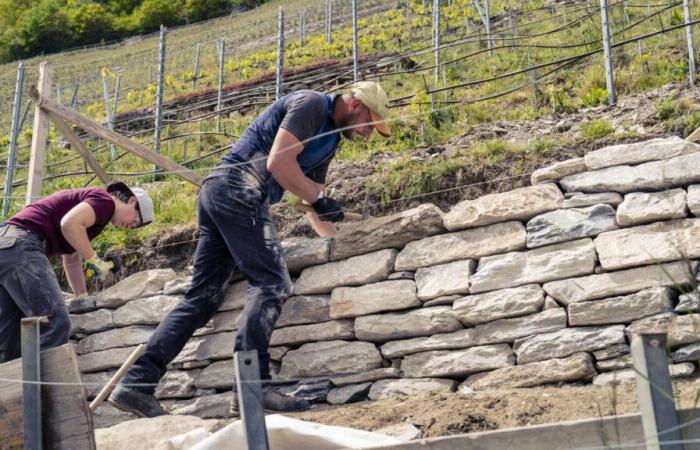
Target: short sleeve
<point>306,112</point>
<point>103,205</point>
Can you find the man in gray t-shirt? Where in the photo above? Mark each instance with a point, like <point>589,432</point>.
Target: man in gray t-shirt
<point>287,147</point>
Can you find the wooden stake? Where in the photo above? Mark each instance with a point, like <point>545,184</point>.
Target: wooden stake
<point>39,135</point>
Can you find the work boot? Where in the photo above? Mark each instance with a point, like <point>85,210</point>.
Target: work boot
<point>272,402</point>
<point>136,402</point>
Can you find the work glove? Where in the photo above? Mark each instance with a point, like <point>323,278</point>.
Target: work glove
<point>98,268</point>
<point>328,209</point>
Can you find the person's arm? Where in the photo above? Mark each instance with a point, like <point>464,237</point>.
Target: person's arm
<point>282,164</point>
<point>323,229</point>
<point>73,268</point>
<point>74,227</point>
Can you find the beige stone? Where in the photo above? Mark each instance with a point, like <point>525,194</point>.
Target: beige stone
<point>118,337</point>
<point>558,170</point>
<point>91,322</point>
<point>619,363</point>
<point>371,375</point>
<point>139,434</point>
<point>581,200</point>
<point>444,279</point>
<point>566,342</point>
<point>103,360</point>
<point>330,358</point>
<point>630,375</point>
<point>445,341</point>
<point>623,309</point>
<point>457,363</point>
<point>177,384</point>
<point>222,321</point>
<point>373,298</point>
<point>140,284</point>
<point>639,152</point>
<point>235,297</point>
<point>694,199</point>
<point>508,330</point>
<point>145,311</point>
<point>406,387</point>
<point>305,309</point>
<point>212,346</point>
<point>324,331</point>
<point>644,207</point>
<point>419,322</point>
<point>513,302</point>
<point>300,253</point>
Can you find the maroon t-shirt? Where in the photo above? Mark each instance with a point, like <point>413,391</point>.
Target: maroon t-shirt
<point>43,217</point>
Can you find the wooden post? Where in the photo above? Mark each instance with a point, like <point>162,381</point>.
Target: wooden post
<point>40,133</point>
<point>220,92</point>
<point>250,399</point>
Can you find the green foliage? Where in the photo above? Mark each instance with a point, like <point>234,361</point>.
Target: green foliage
<point>594,97</point>
<point>196,10</point>
<point>596,129</point>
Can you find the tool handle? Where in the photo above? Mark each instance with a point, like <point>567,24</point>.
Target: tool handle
<point>352,217</point>
<point>111,384</point>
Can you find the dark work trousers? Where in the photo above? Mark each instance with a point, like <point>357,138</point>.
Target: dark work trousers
<point>235,231</point>
<point>28,288</point>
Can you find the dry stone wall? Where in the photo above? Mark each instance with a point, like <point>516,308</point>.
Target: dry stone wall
<point>543,284</point>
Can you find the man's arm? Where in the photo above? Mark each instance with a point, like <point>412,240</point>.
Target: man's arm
<point>74,227</point>
<point>282,164</point>
<point>73,268</point>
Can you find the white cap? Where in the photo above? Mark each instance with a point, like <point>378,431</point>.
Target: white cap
<point>145,205</point>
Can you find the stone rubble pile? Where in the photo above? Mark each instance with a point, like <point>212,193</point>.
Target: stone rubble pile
<point>543,284</point>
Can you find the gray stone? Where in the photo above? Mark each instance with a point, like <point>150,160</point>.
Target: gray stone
<point>222,321</point>
<point>623,309</point>
<point>82,304</point>
<point>649,244</point>
<point>550,303</point>
<point>149,434</point>
<point>688,353</point>
<point>324,331</point>
<point>508,330</point>
<point>513,302</point>
<point>177,384</point>
<point>354,271</point>
<point>694,199</point>
<point>558,170</point>
<point>578,366</point>
<point>94,382</point>
<point>312,390</point>
<point>611,352</point>
<point>393,231</point>
<point>119,337</point>
<point>403,275</point>
<point>569,224</point>
<point>363,377</point>
<point>603,285</point>
<point>444,279</point>
<point>439,301</point>
<point>445,341</point>
<point>658,323</point>
<point>206,407</point>
<point>145,311</point>
<point>373,298</point>
<point>689,302</point>
<point>467,244</point>
<point>639,152</point>
<point>580,200</point>
<point>630,375</point>
<point>104,418</point>
<point>619,363</point>
<point>212,346</point>
<point>140,284</point>
<point>218,375</point>
<point>404,431</point>
<point>305,309</point>
<point>277,353</point>
<point>566,342</point>
<point>420,322</point>
<point>300,253</point>
<point>349,394</point>
<point>518,204</point>
<point>644,207</point>
<point>177,286</point>
<point>330,358</point>
<point>406,387</point>
<point>104,360</point>
<point>235,297</point>
<point>553,262</point>
<point>457,363</point>
<point>91,322</point>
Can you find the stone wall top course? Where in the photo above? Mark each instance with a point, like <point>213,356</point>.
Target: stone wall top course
<point>558,170</point>
<point>372,298</point>
<point>639,152</point>
<point>140,284</point>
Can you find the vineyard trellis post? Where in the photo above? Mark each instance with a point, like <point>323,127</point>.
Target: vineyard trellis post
<point>40,133</point>
<point>609,76</point>
<point>302,28</point>
<point>355,71</point>
<point>14,134</point>
<point>108,110</point>
<point>280,54</point>
<point>196,66</point>
<point>436,42</point>
<point>329,21</point>
<point>533,79</point>
<point>58,92</point>
<point>74,98</point>
<point>117,87</point>
<point>159,91</point>
<point>691,46</point>
<point>220,89</point>
<point>485,14</point>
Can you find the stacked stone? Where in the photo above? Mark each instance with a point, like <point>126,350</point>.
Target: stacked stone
<point>543,284</point>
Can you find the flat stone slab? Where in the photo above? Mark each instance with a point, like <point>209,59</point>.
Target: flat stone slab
<point>206,407</point>
<point>553,262</point>
<point>445,341</point>
<point>118,337</point>
<point>619,363</point>
<point>564,225</point>
<point>513,302</point>
<point>639,152</point>
<point>578,366</point>
<point>92,322</point>
<point>694,199</point>
<point>444,279</point>
<point>330,358</point>
<point>509,330</point>
<point>568,341</point>
<point>689,302</point>
<point>393,231</point>
<point>178,286</point>
<point>419,322</point>
<point>406,387</point>
<point>305,309</point>
<point>630,375</point>
<point>623,309</point>
<point>372,375</point>
<point>373,298</point>
<point>457,363</point>
<point>145,311</point>
<point>468,244</point>
<point>222,321</point>
<point>603,285</point>
<point>177,384</point>
<point>300,253</point>
<point>104,360</point>
<point>658,323</point>
<point>688,353</point>
<point>82,304</point>
<point>140,284</point>
<point>614,351</point>
<point>217,375</point>
<point>684,330</point>
<point>649,244</point>
<point>235,297</point>
<point>558,170</point>
<point>358,270</point>
<point>644,207</point>
<point>324,331</point>
<point>212,346</point>
<point>519,204</point>
<point>580,200</point>
<point>348,394</point>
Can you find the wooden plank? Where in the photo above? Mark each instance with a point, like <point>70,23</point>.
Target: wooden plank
<point>67,422</point>
<point>115,138</point>
<point>79,147</point>
<point>40,133</point>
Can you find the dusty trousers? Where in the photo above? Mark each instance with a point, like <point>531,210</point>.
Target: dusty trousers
<point>235,233</point>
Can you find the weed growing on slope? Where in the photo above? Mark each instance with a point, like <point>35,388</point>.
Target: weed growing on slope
<point>596,129</point>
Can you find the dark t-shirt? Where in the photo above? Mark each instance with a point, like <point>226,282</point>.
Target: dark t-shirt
<point>43,217</point>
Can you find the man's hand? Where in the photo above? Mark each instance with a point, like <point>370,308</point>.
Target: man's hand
<point>98,268</point>
<point>328,209</point>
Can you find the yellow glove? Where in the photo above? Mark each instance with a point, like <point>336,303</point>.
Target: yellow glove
<point>96,267</point>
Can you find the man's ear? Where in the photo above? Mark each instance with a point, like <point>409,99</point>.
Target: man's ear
<point>132,201</point>
<point>355,104</point>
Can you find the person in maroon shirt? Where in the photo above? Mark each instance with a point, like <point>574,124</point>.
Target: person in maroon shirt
<point>63,224</point>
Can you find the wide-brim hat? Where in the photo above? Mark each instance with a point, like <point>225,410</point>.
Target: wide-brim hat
<point>144,202</point>
<point>371,94</point>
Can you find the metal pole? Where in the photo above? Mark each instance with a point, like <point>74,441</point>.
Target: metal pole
<point>329,21</point>
<point>533,78</point>
<point>436,38</point>
<point>108,112</point>
<point>117,87</point>
<point>280,55</point>
<point>159,92</point>
<point>220,94</point>
<point>14,134</point>
<point>487,17</point>
<point>691,46</point>
<point>250,399</point>
<point>74,99</point>
<point>31,389</point>
<point>302,28</point>
<point>610,80</point>
<point>355,71</point>
<point>196,66</point>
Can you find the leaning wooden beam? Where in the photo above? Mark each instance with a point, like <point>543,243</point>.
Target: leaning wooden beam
<point>115,138</point>
<point>40,133</point>
<point>78,145</point>
<point>112,383</point>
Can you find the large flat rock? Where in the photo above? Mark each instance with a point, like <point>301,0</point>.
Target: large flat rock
<point>630,375</point>
<point>444,279</point>
<point>372,298</point>
<point>694,199</point>
<point>509,330</point>
<point>217,375</point>
<point>603,285</point>
<point>581,200</point>
<point>644,207</point>
<point>300,253</point>
<point>177,384</point>
<point>568,341</point>
<point>457,363</point>
<point>393,231</point>
<point>212,346</point>
<point>639,152</point>
<point>445,341</point>
<point>145,311</point>
<point>92,322</point>
<point>558,170</point>
<point>313,332</point>
<point>513,302</point>
<point>468,244</point>
<point>304,309</point>
<point>419,322</point>
<point>222,321</point>
<point>104,360</point>
<point>578,366</point>
<point>564,225</point>
<point>407,387</point>
<point>330,358</point>
<point>553,262</point>
<point>235,297</point>
<point>649,244</point>
<point>519,204</point>
<point>355,271</point>
<point>623,309</point>
<point>140,284</point>
<point>118,337</point>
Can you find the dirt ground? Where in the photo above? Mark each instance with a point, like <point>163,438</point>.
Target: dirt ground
<point>447,414</point>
